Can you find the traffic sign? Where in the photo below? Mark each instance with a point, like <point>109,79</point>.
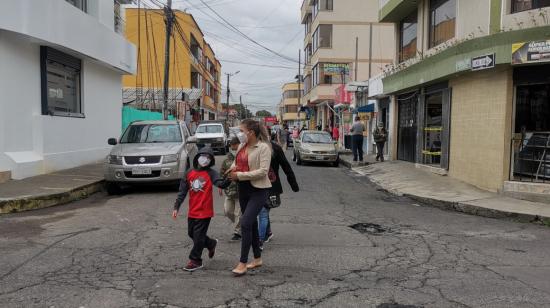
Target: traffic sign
<point>483,62</point>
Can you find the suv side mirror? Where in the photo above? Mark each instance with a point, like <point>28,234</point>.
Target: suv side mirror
<point>191,140</point>
<point>112,141</point>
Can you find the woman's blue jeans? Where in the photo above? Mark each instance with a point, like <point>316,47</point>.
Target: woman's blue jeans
<point>263,224</point>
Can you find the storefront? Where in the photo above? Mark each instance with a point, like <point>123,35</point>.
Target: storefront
<point>531,129</point>
<point>424,126</point>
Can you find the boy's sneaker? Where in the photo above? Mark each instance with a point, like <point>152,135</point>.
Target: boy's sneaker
<point>212,251</point>
<point>261,246</point>
<point>192,266</point>
<point>269,237</point>
<point>236,237</point>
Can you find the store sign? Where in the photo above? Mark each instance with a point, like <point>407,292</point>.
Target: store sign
<point>483,62</point>
<point>336,68</point>
<point>343,96</point>
<point>531,52</point>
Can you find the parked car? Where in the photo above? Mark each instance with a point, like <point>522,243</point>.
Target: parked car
<point>315,146</point>
<point>212,134</point>
<point>149,152</point>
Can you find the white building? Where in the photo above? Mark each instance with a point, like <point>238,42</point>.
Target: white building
<point>61,63</point>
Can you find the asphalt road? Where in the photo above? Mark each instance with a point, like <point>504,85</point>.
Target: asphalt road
<point>126,251</point>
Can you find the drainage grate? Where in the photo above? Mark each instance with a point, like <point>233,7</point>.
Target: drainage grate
<point>373,229</point>
<point>395,305</point>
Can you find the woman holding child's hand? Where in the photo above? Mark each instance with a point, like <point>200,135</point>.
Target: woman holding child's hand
<point>251,170</point>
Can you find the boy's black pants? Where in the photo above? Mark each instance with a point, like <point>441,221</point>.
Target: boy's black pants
<point>197,229</point>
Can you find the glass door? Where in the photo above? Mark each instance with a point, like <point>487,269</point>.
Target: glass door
<point>433,128</point>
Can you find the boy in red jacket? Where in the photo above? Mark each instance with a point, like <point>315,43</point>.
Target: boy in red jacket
<point>199,182</point>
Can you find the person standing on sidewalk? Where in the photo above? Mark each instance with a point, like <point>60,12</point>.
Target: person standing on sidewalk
<point>380,137</point>
<point>251,170</point>
<point>232,192</point>
<point>357,130</point>
<point>335,133</point>
<point>278,160</point>
<point>199,182</point>
<point>282,137</point>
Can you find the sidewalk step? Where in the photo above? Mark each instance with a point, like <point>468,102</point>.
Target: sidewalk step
<point>5,176</point>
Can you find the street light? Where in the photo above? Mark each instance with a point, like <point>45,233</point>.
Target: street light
<point>228,94</point>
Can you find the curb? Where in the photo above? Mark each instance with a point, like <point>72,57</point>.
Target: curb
<point>469,208</point>
<point>39,202</point>
<point>351,165</point>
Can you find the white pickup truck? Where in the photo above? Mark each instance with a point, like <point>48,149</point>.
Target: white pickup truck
<point>212,135</point>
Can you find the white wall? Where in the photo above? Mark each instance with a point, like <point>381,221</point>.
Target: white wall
<point>31,143</point>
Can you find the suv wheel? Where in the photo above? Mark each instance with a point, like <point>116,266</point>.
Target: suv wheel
<point>113,188</point>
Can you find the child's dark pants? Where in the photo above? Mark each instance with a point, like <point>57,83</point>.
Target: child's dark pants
<point>197,229</point>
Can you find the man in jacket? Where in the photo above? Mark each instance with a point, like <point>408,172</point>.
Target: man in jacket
<point>380,137</point>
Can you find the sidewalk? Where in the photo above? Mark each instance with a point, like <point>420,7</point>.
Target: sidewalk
<point>50,189</point>
<point>404,179</point>
<point>346,159</point>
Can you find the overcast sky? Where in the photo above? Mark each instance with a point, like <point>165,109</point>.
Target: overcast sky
<point>272,23</point>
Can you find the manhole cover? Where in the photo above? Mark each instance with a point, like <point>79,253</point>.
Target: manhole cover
<point>395,305</point>
<point>373,229</point>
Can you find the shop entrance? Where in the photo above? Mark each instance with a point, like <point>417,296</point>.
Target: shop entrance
<point>435,104</point>
<point>531,138</point>
<point>407,127</point>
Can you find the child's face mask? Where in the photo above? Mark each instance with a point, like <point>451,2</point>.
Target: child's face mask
<point>204,161</point>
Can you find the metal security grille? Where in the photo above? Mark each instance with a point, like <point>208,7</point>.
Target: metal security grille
<point>406,148</point>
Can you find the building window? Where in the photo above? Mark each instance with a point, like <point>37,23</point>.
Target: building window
<point>80,4</point>
<point>291,94</point>
<point>208,89</point>
<point>524,5</point>
<point>408,37</point>
<point>331,73</point>
<point>322,37</point>
<point>291,109</point>
<point>322,5</point>
<point>442,21</point>
<point>61,88</point>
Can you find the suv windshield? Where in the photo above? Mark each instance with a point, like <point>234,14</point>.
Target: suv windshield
<point>152,133</point>
<point>317,138</point>
<point>209,129</point>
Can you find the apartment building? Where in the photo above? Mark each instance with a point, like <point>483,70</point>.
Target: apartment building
<point>290,108</point>
<point>60,83</point>
<point>470,90</point>
<point>344,41</point>
<point>194,70</point>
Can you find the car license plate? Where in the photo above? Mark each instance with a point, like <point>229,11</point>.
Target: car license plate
<point>319,158</point>
<point>141,171</point>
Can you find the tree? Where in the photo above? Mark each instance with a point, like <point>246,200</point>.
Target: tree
<point>242,111</point>
<point>263,113</point>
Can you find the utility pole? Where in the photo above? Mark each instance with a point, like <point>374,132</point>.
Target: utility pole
<point>299,86</point>
<point>169,18</point>
<point>241,101</point>
<point>228,92</point>
<point>357,56</point>
<point>370,51</point>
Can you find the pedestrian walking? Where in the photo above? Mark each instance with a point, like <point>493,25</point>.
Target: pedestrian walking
<point>232,211</point>
<point>357,130</point>
<point>282,137</point>
<point>251,170</point>
<point>380,137</point>
<point>199,182</point>
<point>335,133</point>
<point>278,161</point>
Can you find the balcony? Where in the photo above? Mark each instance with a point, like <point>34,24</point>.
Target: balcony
<point>396,10</point>
<point>306,9</point>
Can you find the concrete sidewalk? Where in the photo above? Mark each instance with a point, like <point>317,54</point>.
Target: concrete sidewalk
<point>50,189</point>
<point>404,179</point>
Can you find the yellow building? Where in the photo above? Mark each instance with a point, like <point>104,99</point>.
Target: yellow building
<point>290,105</point>
<point>194,69</point>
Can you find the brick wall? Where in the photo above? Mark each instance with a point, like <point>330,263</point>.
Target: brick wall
<point>481,119</point>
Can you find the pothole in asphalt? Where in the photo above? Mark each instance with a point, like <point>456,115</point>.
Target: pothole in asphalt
<point>370,228</point>
<point>395,305</point>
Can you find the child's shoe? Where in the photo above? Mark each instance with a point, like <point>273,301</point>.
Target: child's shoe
<point>192,266</point>
<point>212,251</point>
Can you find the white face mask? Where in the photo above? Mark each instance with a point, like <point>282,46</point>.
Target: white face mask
<point>242,137</point>
<point>233,152</point>
<point>204,161</point>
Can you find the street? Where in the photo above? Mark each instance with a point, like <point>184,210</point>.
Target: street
<point>339,242</point>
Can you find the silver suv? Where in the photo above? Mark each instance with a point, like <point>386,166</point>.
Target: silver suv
<point>149,152</point>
